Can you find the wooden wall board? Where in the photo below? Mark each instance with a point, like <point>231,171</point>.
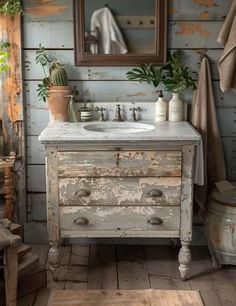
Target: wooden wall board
<point>36,232</point>
<point>227,121</point>
<point>55,34</point>
<point>37,120</point>
<point>37,207</point>
<point>55,10</point>
<point>122,91</point>
<point>181,34</point>
<point>35,151</point>
<point>36,181</point>
<point>35,72</point>
<point>61,10</point>
<point>198,10</point>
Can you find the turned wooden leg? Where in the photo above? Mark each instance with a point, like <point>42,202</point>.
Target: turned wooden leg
<point>11,274</point>
<point>184,259</point>
<point>53,256</point>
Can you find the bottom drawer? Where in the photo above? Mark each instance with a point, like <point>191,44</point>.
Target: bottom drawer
<point>141,221</point>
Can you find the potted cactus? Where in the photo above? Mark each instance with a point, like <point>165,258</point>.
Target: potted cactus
<point>54,87</point>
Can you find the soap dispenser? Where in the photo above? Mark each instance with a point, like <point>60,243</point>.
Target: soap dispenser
<point>160,108</point>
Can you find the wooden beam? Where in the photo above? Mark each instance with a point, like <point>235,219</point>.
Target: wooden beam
<point>11,105</point>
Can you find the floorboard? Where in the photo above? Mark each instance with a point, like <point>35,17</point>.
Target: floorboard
<point>127,267</point>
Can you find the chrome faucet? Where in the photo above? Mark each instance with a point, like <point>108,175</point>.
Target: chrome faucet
<point>134,114</point>
<point>118,117</point>
<point>101,110</point>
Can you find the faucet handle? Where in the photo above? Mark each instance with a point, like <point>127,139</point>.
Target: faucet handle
<point>101,110</point>
<point>118,116</point>
<point>134,110</point>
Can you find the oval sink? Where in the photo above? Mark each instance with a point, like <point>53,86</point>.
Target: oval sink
<point>119,127</point>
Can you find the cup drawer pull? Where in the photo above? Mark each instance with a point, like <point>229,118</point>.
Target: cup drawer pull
<point>81,221</point>
<point>155,193</point>
<point>155,221</point>
<point>82,193</point>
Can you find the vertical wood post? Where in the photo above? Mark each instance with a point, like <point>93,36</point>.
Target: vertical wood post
<point>11,104</point>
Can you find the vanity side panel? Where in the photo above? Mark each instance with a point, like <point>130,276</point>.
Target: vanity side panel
<point>187,193</point>
<point>53,218</point>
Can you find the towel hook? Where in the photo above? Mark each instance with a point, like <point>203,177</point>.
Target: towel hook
<point>203,54</point>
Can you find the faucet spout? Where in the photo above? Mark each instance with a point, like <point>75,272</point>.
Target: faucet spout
<point>118,117</point>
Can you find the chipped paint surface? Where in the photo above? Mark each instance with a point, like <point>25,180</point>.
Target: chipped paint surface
<point>46,10</point>
<point>187,28</point>
<point>14,108</point>
<point>119,218</point>
<point>119,191</point>
<point>206,3</point>
<point>138,94</point>
<point>205,15</point>
<point>172,10</point>
<point>133,163</point>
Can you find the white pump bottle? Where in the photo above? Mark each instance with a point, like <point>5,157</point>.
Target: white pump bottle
<point>160,109</point>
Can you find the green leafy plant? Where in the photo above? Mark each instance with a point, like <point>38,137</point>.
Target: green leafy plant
<point>4,55</point>
<point>173,75</point>
<point>10,7</point>
<point>145,73</point>
<point>56,75</point>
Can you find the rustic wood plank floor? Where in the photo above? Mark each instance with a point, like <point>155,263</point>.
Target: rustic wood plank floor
<point>135,267</point>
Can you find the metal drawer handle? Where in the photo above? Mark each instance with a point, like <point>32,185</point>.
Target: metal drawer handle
<point>82,193</point>
<point>81,221</point>
<point>155,221</point>
<point>155,193</point>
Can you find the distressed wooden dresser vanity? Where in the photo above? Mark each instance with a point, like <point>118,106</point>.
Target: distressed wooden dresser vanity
<point>120,185</point>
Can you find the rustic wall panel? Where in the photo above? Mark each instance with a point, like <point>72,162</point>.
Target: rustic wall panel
<point>12,114</point>
<point>193,27</point>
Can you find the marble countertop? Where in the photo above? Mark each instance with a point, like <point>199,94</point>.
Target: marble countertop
<point>72,133</point>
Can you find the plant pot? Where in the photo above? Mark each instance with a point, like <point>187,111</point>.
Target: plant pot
<point>175,108</point>
<point>58,103</point>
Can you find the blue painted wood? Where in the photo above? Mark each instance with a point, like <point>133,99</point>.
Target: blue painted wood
<point>178,10</point>
<point>182,34</point>
<point>191,59</point>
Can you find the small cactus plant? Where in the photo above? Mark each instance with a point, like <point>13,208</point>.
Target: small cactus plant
<point>58,75</point>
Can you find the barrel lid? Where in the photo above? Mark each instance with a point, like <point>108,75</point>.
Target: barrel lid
<point>225,198</point>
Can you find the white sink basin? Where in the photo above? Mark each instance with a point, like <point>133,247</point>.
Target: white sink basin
<point>119,127</point>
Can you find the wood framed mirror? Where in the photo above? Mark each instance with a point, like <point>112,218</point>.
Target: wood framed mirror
<point>120,32</point>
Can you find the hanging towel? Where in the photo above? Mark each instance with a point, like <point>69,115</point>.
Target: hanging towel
<point>107,32</point>
<point>204,119</point>
<point>227,62</point>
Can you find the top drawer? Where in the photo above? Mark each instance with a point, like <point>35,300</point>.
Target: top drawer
<point>119,163</point>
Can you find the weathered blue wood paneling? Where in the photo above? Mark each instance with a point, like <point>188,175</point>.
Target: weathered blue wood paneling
<point>193,27</point>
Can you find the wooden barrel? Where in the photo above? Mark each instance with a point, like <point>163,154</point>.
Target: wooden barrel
<point>220,227</point>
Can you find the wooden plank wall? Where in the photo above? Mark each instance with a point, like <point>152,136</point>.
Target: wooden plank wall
<point>193,27</point>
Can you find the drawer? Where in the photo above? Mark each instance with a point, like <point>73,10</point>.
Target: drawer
<point>119,163</point>
<point>120,191</point>
<point>134,221</point>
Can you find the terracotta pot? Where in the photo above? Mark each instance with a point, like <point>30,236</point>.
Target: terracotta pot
<point>58,102</point>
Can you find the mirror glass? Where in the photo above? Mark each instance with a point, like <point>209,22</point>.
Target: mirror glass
<point>107,31</point>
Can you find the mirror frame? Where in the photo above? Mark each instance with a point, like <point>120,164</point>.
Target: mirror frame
<point>157,58</point>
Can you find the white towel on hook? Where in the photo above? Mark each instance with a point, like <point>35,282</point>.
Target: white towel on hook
<point>107,32</point>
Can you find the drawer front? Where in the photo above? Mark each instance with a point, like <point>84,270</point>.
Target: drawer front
<point>120,191</point>
<point>119,163</point>
<point>119,221</point>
